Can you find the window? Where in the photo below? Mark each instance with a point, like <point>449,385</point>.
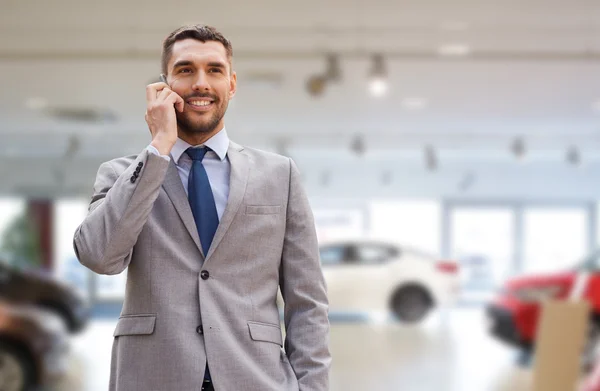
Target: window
<point>369,254</point>
<point>332,255</point>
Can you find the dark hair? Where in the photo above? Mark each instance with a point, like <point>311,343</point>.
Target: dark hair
<point>199,32</point>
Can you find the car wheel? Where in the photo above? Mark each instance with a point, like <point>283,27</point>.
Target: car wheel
<point>411,303</point>
<point>16,369</point>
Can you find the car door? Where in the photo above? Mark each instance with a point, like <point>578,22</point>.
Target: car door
<point>356,276</point>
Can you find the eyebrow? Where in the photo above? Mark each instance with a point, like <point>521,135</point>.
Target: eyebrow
<point>182,63</point>
<point>216,64</point>
<point>186,63</point>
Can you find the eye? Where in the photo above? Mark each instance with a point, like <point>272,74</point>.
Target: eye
<point>218,70</point>
<point>185,70</point>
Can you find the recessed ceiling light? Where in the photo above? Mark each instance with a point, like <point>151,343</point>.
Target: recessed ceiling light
<point>414,103</point>
<point>454,49</point>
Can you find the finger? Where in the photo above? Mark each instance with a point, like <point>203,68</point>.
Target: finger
<point>163,94</point>
<point>153,89</point>
<point>176,100</point>
<point>180,103</point>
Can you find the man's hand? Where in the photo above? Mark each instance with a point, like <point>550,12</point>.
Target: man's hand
<point>161,117</point>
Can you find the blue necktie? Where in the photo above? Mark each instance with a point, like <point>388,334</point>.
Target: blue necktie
<point>201,199</point>
<point>203,205</point>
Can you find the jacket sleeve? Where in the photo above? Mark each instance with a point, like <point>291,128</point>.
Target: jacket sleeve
<point>304,293</point>
<point>118,211</point>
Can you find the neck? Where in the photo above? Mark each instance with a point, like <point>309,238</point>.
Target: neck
<point>198,138</point>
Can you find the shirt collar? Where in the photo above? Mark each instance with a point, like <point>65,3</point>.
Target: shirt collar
<point>219,143</point>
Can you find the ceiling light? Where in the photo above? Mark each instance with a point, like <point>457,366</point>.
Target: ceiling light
<point>414,103</point>
<point>358,145</point>
<point>378,77</point>
<point>378,87</point>
<point>333,72</point>
<point>431,160</point>
<point>454,50</point>
<point>315,85</point>
<point>574,156</point>
<point>518,148</point>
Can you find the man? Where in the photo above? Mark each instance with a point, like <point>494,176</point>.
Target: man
<point>208,231</point>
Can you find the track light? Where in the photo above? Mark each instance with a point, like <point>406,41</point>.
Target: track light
<point>358,145</point>
<point>333,72</point>
<point>518,148</point>
<point>315,85</point>
<point>378,77</point>
<point>574,156</point>
<point>431,160</point>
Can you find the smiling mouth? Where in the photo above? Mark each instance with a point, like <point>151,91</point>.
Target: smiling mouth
<point>200,104</point>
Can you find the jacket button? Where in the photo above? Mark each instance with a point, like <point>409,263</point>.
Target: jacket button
<point>132,179</point>
<point>138,170</point>
<point>140,164</point>
<point>136,174</point>
<point>204,274</point>
<point>200,329</point>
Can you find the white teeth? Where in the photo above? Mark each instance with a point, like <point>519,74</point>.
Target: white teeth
<point>200,102</point>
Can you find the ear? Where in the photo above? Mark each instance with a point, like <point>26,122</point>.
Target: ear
<point>232,85</point>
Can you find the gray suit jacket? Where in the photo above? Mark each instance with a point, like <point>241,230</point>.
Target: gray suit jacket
<point>265,240</point>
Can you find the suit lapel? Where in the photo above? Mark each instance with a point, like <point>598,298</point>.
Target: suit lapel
<point>237,187</point>
<point>174,189</point>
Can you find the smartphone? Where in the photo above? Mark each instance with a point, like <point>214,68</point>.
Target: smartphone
<point>163,78</point>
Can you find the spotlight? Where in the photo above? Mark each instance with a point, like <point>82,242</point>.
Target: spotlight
<point>518,148</point>
<point>316,84</point>
<point>333,72</point>
<point>358,145</point>
<point>574,156</point>
<point>378,78</point>
<point>431,160</point>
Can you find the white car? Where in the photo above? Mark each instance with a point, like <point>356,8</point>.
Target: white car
<point>375,277</point>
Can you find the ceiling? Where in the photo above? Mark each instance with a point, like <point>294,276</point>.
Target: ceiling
<point>531,71</point>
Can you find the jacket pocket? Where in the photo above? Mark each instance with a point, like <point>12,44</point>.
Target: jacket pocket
<point>135,325</point>
<point>262,209</point>
<point>265,332</point>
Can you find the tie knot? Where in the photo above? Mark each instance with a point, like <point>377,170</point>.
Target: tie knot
<point>197,153</point>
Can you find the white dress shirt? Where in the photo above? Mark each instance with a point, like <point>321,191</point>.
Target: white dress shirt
<point>215,163</point>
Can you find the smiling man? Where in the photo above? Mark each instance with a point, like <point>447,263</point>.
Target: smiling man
<point>208,230</point>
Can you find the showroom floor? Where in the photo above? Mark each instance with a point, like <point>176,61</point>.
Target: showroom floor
<point>450,352</point>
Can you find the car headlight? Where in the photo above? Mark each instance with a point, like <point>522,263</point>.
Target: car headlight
<point>538,293</point>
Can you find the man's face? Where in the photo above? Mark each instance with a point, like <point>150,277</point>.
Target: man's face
<point>201,74</point>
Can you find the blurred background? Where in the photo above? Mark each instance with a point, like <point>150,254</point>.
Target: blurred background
<point>450,151</point>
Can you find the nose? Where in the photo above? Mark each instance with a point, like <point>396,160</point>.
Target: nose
<point>201,82</point>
